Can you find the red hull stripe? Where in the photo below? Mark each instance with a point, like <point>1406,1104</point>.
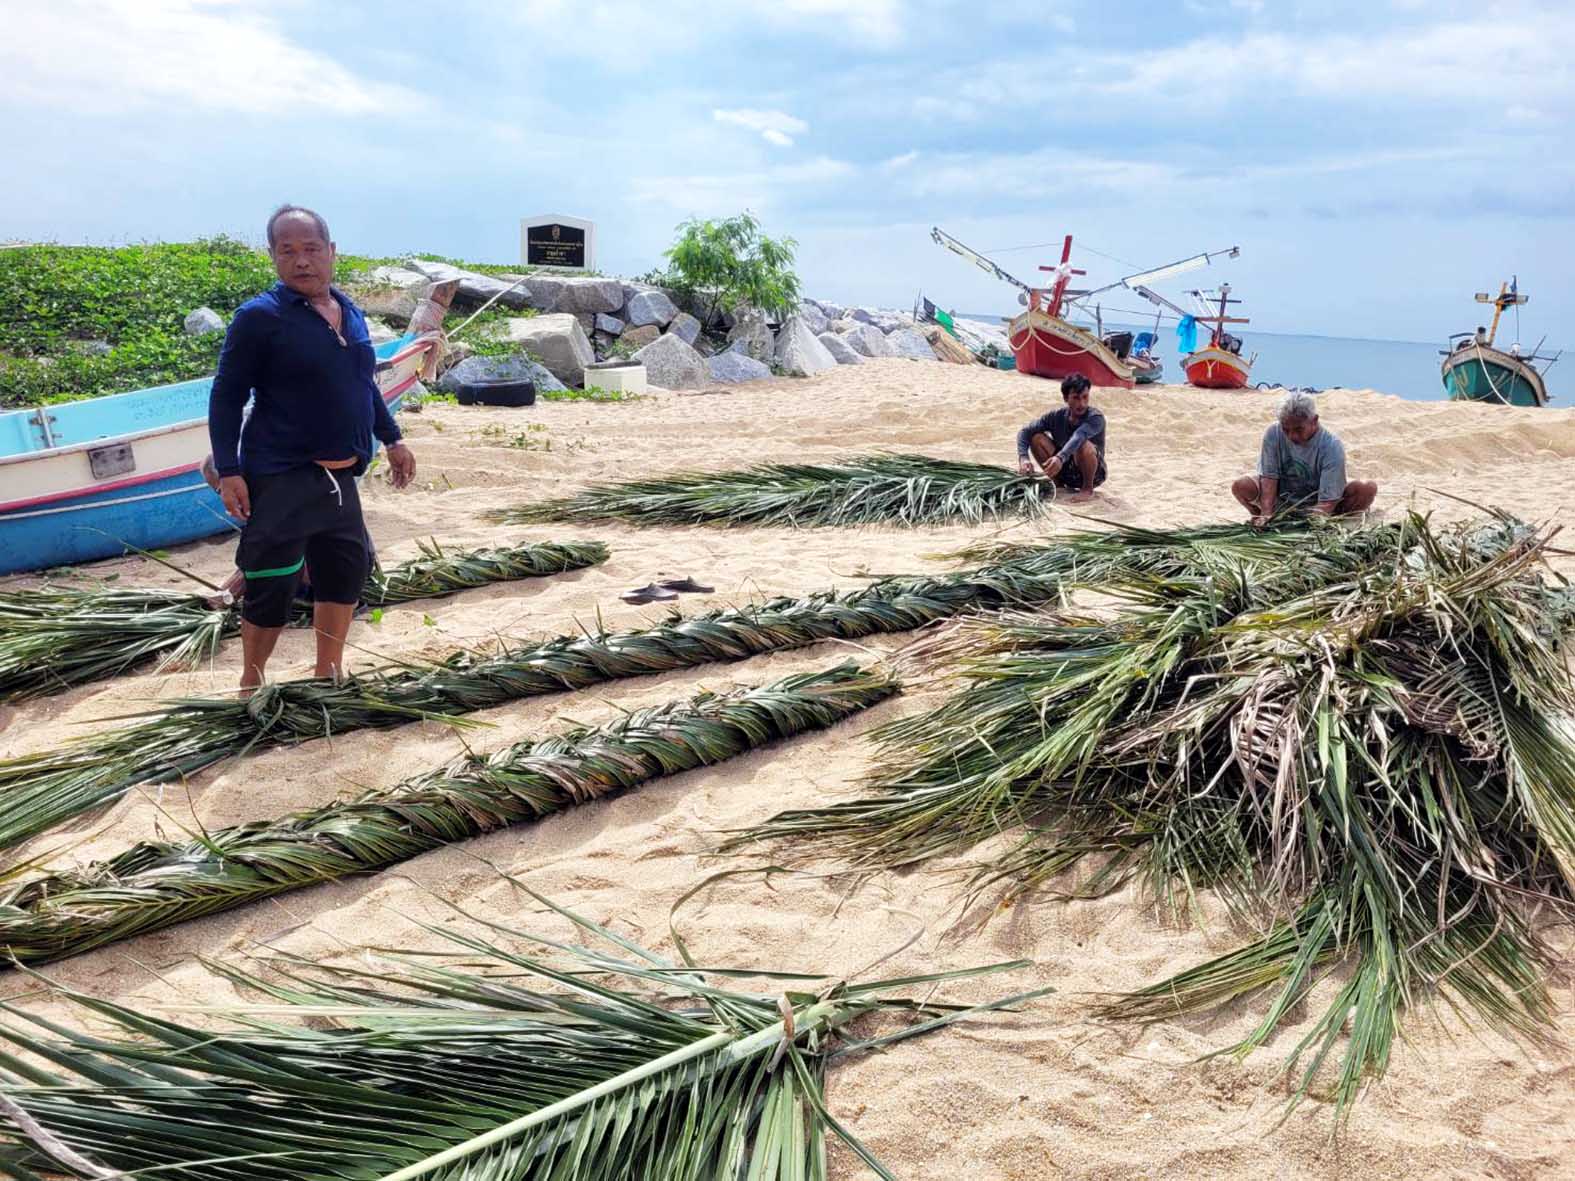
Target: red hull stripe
<point>149,477</point>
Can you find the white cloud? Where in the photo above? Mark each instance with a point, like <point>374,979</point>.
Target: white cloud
<point>727,193</point>
<point>1030,174</point>
<point>877,22</point>
<point>902,161</point>
<point>105,56</point>
<point>775,127</point>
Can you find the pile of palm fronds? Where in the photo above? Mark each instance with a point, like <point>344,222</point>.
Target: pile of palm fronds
<point>59,637</point>
<point>907,490</point>
<point>1367,747</point>
<point>156,884</point>
<point>40,790</point>
<point>602,1063</point>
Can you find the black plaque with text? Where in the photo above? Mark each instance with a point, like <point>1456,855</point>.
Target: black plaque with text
<point>553,245</point>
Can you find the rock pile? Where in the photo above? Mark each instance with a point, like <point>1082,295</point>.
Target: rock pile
<point>569,321</point>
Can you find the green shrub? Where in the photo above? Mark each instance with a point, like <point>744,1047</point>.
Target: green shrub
<point>135,298</point>
<point>730,263</point>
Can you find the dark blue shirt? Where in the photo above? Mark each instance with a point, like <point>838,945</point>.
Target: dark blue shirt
<point>1067,439</point>
<point>315,397</point>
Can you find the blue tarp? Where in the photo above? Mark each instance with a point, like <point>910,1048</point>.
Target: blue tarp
<point>1187,335</point>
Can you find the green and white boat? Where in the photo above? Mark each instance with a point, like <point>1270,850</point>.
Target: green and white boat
<point>1475,371</point>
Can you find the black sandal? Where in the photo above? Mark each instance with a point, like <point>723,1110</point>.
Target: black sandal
<point>685,584</point>
<point>649,593</point>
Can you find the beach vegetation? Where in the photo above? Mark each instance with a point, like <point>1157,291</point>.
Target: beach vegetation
<point>508,1055</point>
<point>727,263</point>
<point>61,305</point>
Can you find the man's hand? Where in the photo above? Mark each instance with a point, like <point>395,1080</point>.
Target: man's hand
<point>401,464</point>
<point>1053,468</point>
<point>1259,521</point>
<point>1025,467</point>
<point>236,496</point>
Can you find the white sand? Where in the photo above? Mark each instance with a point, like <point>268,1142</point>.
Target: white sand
<point>1046,1093</point>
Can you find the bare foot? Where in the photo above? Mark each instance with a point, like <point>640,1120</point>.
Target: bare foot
<point>1080,498</point>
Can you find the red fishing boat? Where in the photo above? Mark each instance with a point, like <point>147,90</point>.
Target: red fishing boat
<point>1048,346</point>
<point>1044,343</point>
<point>1219,365</point>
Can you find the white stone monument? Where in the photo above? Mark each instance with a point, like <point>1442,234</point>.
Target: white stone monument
<point>555,240</point>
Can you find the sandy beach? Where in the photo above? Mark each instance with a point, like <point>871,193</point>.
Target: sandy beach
<point>1042,1093</point>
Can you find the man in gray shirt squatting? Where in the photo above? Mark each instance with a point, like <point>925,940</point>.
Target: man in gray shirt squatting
<point>1069,443</point>
<point>1301,468</point>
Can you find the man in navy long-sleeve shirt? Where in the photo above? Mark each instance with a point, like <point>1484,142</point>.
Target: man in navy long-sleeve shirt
<point>301,353</point>
<point>1069,443</point>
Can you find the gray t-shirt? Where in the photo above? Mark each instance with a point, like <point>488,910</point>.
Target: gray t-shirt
<point>1310,471</point>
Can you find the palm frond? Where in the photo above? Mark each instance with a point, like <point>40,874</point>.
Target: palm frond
<point>156,884</point>
<point>41,790</point>
<point>60,637</point>
<point>1368,742</point>
<point>598,1063</point>
<point>906,490</point>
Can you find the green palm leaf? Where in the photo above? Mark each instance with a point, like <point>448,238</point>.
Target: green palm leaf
<point>908,490</point>
<point>157,884</point>
<point>604,1063</point>
<point>59,637</point>
<point>1365,745</point>
<point>41,790</point>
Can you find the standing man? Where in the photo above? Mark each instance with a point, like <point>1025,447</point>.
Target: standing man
<point>1069,443</point>
<point>301,351</point>
<point>1301,468</point>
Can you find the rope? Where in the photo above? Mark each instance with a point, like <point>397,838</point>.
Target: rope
<point>1485,373</point>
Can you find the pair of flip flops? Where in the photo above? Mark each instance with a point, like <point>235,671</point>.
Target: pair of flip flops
<point>665,590</point>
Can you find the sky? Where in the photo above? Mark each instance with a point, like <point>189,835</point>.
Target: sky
<point>1377,162</point>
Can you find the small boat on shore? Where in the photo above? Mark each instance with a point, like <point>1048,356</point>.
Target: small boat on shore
<point>106,476</point>
<point>1475,371</point>
<point>1219,364</point>
<point>1045,344</point>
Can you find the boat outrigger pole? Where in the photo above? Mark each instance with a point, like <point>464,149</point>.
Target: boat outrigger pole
<point>942,238</point>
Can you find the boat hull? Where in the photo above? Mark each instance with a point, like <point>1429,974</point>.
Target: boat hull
<point>1150,374</point>
<point>105,495</point>
<point>1477,373</point>
<point>1216,369</point>
<point>1047,346</point>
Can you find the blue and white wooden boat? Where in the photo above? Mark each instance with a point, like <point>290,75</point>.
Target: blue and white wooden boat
<point>102,477</point>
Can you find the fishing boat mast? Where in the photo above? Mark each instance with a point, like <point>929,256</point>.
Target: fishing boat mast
<point>1063,274</point>
<point>1217,338</point>
<point>1508,296</point>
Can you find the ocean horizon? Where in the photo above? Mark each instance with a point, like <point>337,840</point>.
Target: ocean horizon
<point>1407,368</point>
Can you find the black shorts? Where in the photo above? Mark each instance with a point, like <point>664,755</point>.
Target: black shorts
<point>1071,476</point>
<point>306,518</point>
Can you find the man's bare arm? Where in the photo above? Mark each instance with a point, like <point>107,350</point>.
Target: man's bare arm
<point>1268,493</point>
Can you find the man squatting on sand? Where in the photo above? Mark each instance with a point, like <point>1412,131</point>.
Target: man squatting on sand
<point>1301,468</point>
<point>1069,443</point>
<point>301,352</point>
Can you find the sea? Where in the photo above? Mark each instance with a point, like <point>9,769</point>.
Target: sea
<point>1407,368</point>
